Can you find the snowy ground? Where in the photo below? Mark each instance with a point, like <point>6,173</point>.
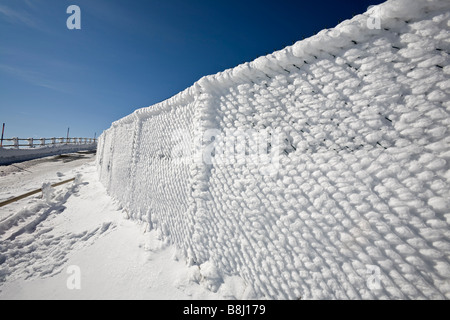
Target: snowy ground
<point>75,243</point>
<point>26,176</point>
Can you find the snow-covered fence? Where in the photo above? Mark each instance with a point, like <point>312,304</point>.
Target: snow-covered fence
<point>357,202</point>
<point>41,142</point>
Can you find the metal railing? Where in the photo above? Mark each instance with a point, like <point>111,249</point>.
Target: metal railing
<point>42,142</point>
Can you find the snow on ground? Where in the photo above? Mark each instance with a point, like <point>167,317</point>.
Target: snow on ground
<point>78,227</point>
<point>18,178</point>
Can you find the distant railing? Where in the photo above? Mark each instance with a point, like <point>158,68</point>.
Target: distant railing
<point>42,142</point>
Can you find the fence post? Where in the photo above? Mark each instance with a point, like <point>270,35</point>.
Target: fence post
<point>53,141</point>
<point>30,142</point>
<point>42,142</point>
<point>16,142</point>
<point>3,131</point>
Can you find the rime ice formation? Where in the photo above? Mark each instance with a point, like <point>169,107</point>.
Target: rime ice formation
<point>357,204</point>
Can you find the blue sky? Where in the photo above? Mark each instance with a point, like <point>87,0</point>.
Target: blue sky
<point>130,54</point>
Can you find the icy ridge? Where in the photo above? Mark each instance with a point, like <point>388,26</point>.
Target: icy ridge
<point>358,206</point>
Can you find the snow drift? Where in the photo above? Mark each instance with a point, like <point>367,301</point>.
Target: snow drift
<point>355,204</point>
<point>9,155</point>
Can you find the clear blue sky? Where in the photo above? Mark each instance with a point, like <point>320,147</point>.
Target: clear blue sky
<point>134,53</point>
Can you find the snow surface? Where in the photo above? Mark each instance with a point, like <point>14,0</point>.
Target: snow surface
<point>11,155</point>
<point>357,204</point>
<point>78,226</point>
<point>20,178</point>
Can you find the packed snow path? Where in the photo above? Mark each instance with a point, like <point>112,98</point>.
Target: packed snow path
<point>78,227</point>
<point>356,202</point>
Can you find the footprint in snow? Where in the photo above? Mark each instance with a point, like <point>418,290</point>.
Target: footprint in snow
<point>59,174</point>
